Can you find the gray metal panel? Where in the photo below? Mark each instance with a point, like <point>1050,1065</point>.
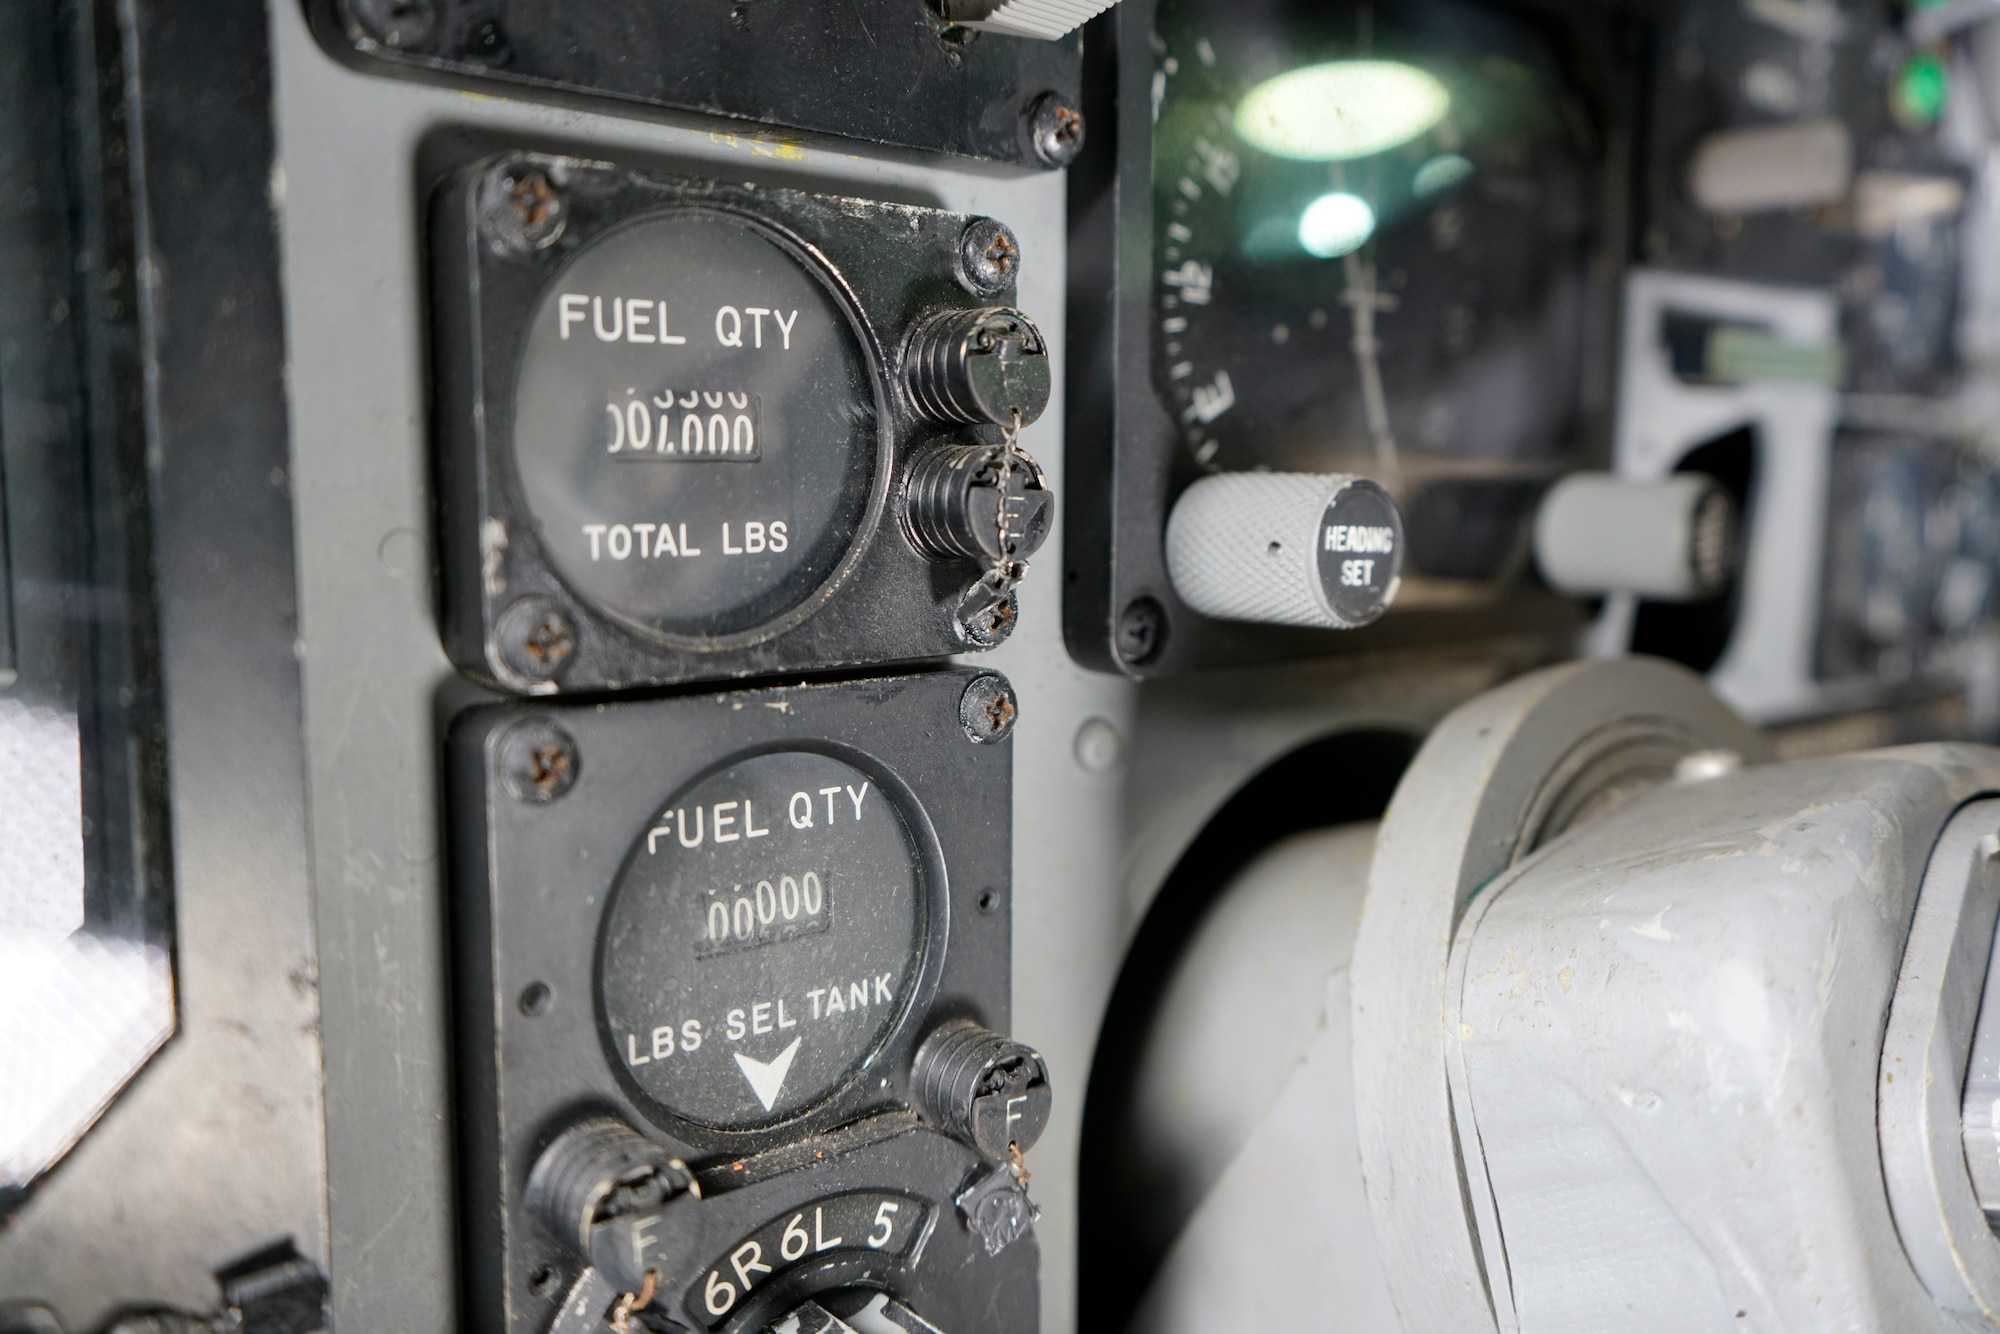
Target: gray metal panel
<point>1679,1006</point>
<point>1927,1110</point>
<point>1494,779</point>
<point>216,1150</point>
<point>1259,1137</point>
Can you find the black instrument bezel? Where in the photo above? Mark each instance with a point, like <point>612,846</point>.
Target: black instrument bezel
<point>1125,463</point>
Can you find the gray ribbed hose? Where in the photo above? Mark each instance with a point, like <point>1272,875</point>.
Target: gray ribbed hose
<point>1044,19</point>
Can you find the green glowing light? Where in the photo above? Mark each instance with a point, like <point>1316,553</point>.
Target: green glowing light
<point>1341,110</point>
<point>1921,88</point>
<point>1335,224</point>
<point>1440,173</point>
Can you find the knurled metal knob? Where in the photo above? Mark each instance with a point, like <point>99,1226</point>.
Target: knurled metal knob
<point>1046,20</point>
<point>594,1174</point>
<point>1671,540</point>
<point>976,502</point>
<point>983,1088</point>
<point>858,1309</point>
<point>1286,548</point>
<point>977,366</point>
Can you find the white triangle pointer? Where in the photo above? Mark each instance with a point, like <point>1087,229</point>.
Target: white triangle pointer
<point>767,1077</point>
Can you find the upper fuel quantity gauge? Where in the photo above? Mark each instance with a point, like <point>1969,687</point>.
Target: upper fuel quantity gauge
<point>680,423</point>
<point>696,425</point>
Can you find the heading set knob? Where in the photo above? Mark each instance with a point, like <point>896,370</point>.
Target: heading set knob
<point>1311,549</point>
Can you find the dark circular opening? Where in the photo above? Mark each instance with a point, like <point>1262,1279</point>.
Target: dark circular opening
<point>536,998</point>
<point>1124,1234</point>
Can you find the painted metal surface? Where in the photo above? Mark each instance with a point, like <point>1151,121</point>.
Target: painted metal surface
<point>1673,1011</point>
<point>216,1150</point>
<point>1767,669</point>
<point>1277,1222</point>
<point>359,156</point>
<point>1928,1151</point>
<point>1494,778</point>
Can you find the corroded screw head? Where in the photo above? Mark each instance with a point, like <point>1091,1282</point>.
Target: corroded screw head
<point>997,1209</point>
<point>521,207</point>
<point>486,42</point>
<point>1142,629</point>
<point>989,257</point>
<point>537,639</point>
<point>987,710</point>
<point>985,619</point>
<point>538,761</point>
<point>399,24</point>
<point>1055,128</point>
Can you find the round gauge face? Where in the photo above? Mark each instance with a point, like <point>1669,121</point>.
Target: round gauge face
<point>1375,230</point>
<point>764,938</point>
<point>695,426</point>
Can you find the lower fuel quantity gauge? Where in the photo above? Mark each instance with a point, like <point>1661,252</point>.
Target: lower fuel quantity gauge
<point>764,938</point>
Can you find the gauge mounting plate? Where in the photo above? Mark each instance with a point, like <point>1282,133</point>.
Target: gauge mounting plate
<point>731,930</point>
<point>671,436</point>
